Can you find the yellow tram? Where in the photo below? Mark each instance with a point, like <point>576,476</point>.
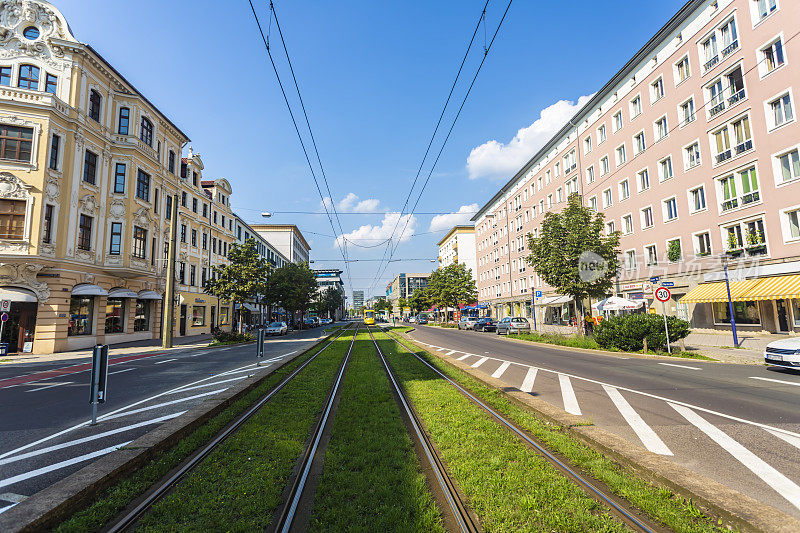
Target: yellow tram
<point>369,317</point>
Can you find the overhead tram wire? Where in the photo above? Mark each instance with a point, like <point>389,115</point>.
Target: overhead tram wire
<point>438,123</point>
<point>452,126</point>
<point>294,122</point>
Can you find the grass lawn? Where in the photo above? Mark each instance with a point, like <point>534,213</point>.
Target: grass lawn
<point>660,504</point>
<point>288,441</point>
<point>372,479</point>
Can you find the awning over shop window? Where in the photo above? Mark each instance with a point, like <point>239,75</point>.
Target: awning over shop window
<point>148,295</point>
<point>555,300</point>
<point>717,292</point>
<point>87,289</point>
<point>250,307</point>
<point>17,295</point>
<point>775,288</point>
<point>122,293</point>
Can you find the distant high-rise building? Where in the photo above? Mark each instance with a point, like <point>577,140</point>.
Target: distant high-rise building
<point>358,300</point>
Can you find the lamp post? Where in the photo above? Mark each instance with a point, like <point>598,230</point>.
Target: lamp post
<point>724,258</point>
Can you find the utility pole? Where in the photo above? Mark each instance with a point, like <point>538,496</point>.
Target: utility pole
<point>169,308</point>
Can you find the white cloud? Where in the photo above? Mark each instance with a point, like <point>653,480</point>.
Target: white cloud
<point>462,216</point>
<point>351,203</point>
<point>371,235</point>
<point>497,160</point>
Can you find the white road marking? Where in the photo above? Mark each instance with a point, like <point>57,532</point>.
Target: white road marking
<point>780,483</point>
<point>645,433</point>
<point>499,371</point>
<point>121,371</point>
<point>568,394</point>
<point>463,357</point>
<point>62,464</point>
<point>479,362</point>
<point>151,407</point>
<point>7,507</point>
<point>51,386</point>
<point>165,361</point>
<point>440,349</point>
<point>796,384</point>
<point>451,352</point>
<point>212,384</point>
<point>527,383</point>
<point>791,439</point>
<point>86,439</point>
<point>11,497</point>
<point>681,366</point>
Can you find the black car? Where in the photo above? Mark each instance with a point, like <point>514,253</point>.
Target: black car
<point>485,324</point>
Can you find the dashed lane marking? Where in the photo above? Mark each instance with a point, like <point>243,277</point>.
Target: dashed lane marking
<point>479,362</point>
<point>645,433</point>
<point>782,382</point>
<point>568,394</point>
<point>527,383</point>
<point>164,361</point>
<point>681,366</point>
<point>51,386</point>
<point>121,371</point>
<point>499,372</point>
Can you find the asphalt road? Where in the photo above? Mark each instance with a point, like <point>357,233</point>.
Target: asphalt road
<point>737,424</point>
<point>44,430</point>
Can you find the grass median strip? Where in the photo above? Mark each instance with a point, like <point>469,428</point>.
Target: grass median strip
<point>117,497</point>
<point>660,504</point>
<point>372,479</point>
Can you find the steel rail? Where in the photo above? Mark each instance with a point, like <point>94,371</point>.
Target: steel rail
<point>458,508</point>
<point>619,510</point>
<point>132,516</point>
<point>289,511</point>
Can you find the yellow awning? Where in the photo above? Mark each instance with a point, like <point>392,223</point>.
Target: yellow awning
<point>775,288</point>
<point>717,292</point>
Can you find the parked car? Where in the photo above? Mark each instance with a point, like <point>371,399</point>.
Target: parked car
<point>485,324</point>
<point>310,322</point>
<point>412,319</point>
<point>516,324</point>
<point>467,322</point>
<point>785,353</point>
<point>422,320</point>
<point>277,328</point>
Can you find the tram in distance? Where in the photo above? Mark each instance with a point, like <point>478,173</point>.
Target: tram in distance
<point>369,317</point>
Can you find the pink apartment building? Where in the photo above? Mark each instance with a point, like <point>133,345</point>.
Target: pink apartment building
<point>691,153</point>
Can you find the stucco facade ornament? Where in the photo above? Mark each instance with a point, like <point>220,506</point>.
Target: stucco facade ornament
<point>11,187</point>
<point>24,275</point>
<point>14,247</point>
<point>142,218</point>
<point>84,255</point>
<point>116,209</point>
<point>113,259</point>
<point>89,204</point>
<point>16,16</point>
<point>47,249</point>
<point>52,188</point>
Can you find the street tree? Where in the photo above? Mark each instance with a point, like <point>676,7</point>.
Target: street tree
<point>293,287</point>
<point>328,301</point>
<point>572,254</point>
<point>452,285</point>
<point>420,300</point>
<point>243,278</point>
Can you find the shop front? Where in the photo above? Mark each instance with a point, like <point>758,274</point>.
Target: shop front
<point>18,330</point>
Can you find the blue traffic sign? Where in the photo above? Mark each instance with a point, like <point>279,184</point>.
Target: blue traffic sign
<point>668,284</point>
<point>538,294</point>
<point>4,317</point>
<point>655,279</point>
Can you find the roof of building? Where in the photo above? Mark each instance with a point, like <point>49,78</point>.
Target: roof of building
<point>607,89</point>
<point>456,229</point>
<point>283,227</point>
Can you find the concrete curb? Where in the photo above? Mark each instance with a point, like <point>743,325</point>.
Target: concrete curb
<point>733,508</point>
<point>49,507</point>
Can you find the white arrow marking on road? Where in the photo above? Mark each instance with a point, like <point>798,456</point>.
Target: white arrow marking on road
<point>570,401</point>
<point>681,366</point>
<point>777,381</point>
<point>51,386</point>
<point>645,433</point>
<point>479,362</point>
<point>62,464</point>
<point>527,383</point>
<point>165,361</point>
<point>499,371</point>
<point>783,485</point>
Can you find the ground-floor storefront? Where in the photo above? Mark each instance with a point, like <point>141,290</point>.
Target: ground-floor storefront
<point>198,313</point>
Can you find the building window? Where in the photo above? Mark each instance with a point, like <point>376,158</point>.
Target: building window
<point>94,105</point>
<point>607,199</point>
<point>141,316</point>
<point>5,76</point>
<point>772,56</point>
<point>168,213</point>
<point>587,145</point>
<point>793,220</point>
<point>171,162</point>
<point>589,175</point>
<point>703,242</point>
<point>139,242</point>
<point>119,178</point>
<point>192,275</point>
<point>630,260</point>
<point>617,121</point>
<point>743,139</point>
<point>194,178</point>
<point>205,241</point>
<point>746,181</point>
<point>182,272</point>
<point>670,210</point>
<point>627,224</point>
<point>85,232</point>
<point>624,190</point>
<point>789,166</point>
<point>55,146</point>
<point>90,167</point>
<point>28,77</point>
<point>601,134</point>
<point>205,210</point>
<point>194,238</point>
<point>636,107</point>
<point>661,128</point>
<point>50,83</point>
<point>610,227</point>
<point>12,219</point>
<point>643,180</point>
<point>620,154</point>
<point>184,199</point>
<point>194,205</point>
<point>183,232</point>
<point>647,218</point>
<point>604,166</point>
<point>697,199</point>
<point>143,185</point>
<point>657,89</point>
<point>682,69</point>
<point>147,132</point>
<point>743,313</point>
<point>47,235</point>
<point>687,112</point>
<point>639,143</point>
<point>124,120</point>
<point>16,143</point>
<point>781,110</point>
<point>710,52</point>
<point>81,316</point>
<point>115,315</point>
<point>692,155</point>
<point>115,245</point>
<point>765,8</point>
<point>155,201</point>
<point>651,254</point>
<point>723,145</point>
<point>730,37</point>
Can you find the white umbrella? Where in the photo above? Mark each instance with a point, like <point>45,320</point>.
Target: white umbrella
<point>615,303</point>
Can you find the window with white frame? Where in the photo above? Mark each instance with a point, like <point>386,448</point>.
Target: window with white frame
<point>539,183</point>
<point>627,224</point>
<point>780,111</point>
<point>682,71</point>
<point>643,180</point>
<point>702,244</point>
<point>587,145</point>
<point>647,219</point>
<point>791,220</point>
<point>660,128</point>
<point>722,144</point>
<point>665,169</point>
<point>730,37</point>
<point>697,199</point>
<point>742,136</point>
<point>547,178</point>
<point>636,107</point>
<point>624,190</point>
<point>630,259</point>
<point>570,162</point>
<point>674,250</point>
<point>593,203</point>
<point>725,92</point>
<point>651,254</point>
<point>607,199</point>
<point>788,166</point>
<point>748,235</point>
<point>639,144</point>
<point>604,166</point>
<point>763,8</point>
<point>557,170</point>
<point>687,112</point>
<point>710,52</point>
<point>670,208</point>
<point>549,201</point>
<point>590,174</point>
<point>601,134</point>
<point>657,89</point>
<point>771,57</point>
<point>691,156</point>
<point>617,121</point>
<point>572,186</point>
<point>738,189</point>
<point>610,229</point>
<point>559,195</point>
<point>620,154</point>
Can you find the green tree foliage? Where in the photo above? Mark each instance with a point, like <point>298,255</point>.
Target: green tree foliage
<point>674,252</point>
<point>243,278</point>
<point>328,301</point>
<point>628,332</point>
<point>383,305</point>
<point>293,287</point>
<point>452,285</point>
<point>420,300</point>
<point>564,236</point>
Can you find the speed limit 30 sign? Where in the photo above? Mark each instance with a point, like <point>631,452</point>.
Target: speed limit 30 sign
<point>663,294</point>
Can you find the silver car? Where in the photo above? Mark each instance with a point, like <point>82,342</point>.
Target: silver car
<point>515,324</point>
<point>467,322</point>
<point>277,328</point>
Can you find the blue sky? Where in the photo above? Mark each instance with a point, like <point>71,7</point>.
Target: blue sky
<point>374,76</point>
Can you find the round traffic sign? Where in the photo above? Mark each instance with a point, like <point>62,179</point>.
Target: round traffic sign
<point>663,294</point>
<point>4,317</point>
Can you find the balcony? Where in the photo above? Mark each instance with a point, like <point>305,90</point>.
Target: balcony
<point>736,97</point>
<point>716,109</point>
<point>711,63</point>
<point>724,156</point>
<point>727,205</point>
<point>569,169</point>
<point>730,48</point>
<point>750,198</point>
<point>744,147</point>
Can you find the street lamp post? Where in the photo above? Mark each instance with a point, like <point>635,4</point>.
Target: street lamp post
<point>730,303</point>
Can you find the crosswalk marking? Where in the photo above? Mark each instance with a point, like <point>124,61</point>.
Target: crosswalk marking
<point>645,433</point>
<point>440,349</point>
<point>527,383</point>
<point>780,483</point>
<point>570,401</point>
<point>479,362</point>
<point>463,357</point>
<point>451,352</point>
<point>499,371</point>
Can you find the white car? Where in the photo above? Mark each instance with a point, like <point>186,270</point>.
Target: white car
<point>785,352</point>
<point>277,328</point>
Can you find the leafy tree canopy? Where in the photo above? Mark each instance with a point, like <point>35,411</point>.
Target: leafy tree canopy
<point>293,287</point>
<point>452,285</point>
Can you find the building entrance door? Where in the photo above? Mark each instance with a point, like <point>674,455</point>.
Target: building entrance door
<point>182,328</point>
<point>783,315</point>
<point>20,325</point>
<point>213,318</point>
